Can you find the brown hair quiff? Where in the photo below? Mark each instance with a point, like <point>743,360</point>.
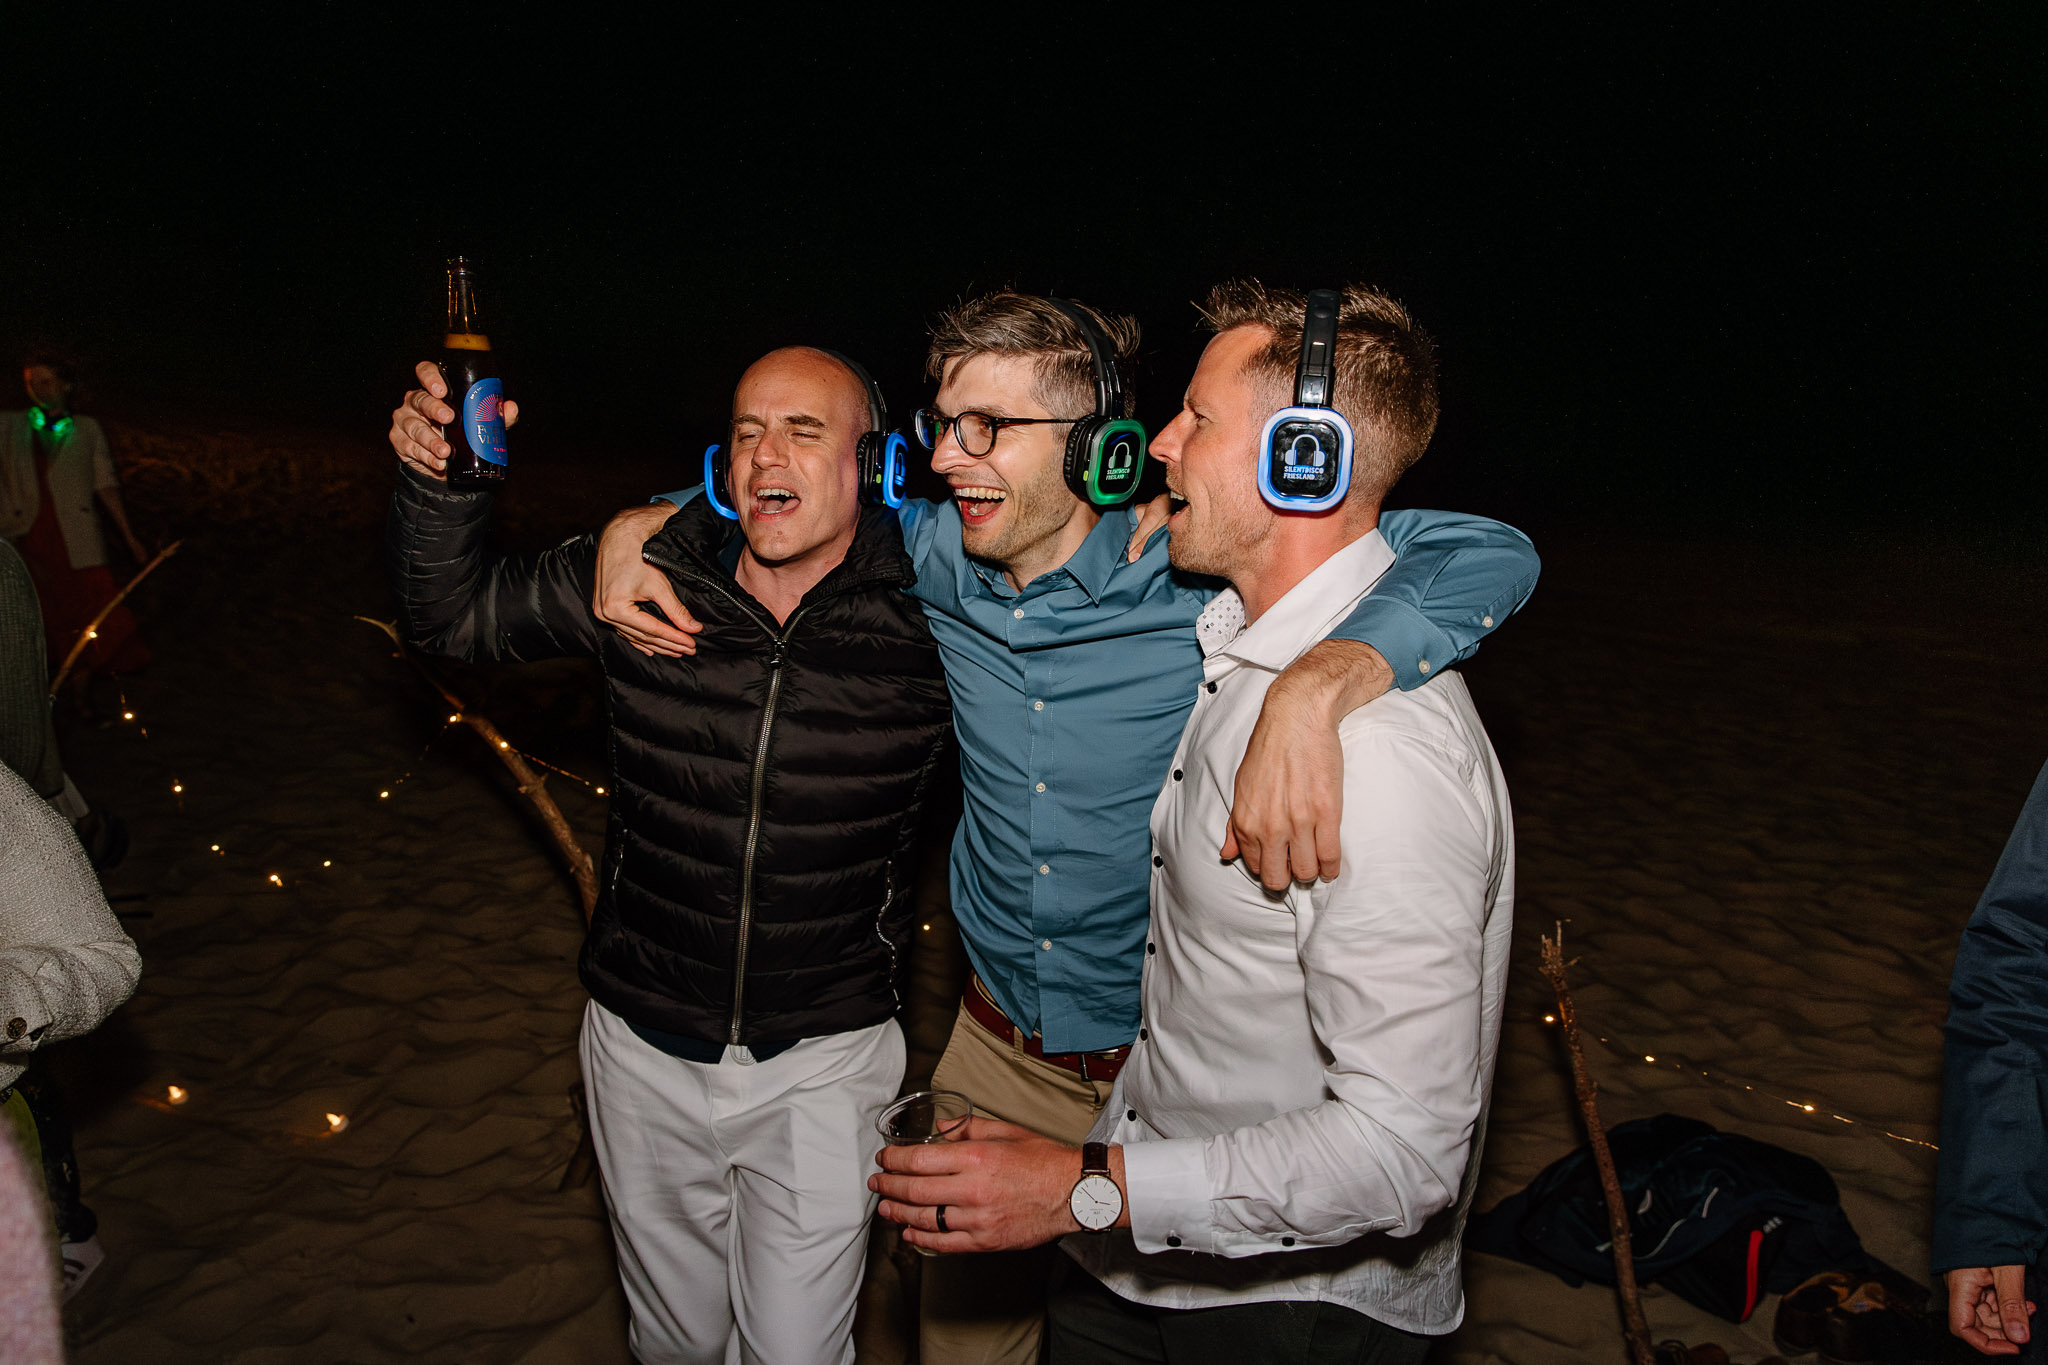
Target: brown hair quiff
<point>1009,323</point>
<point>1386,368</point>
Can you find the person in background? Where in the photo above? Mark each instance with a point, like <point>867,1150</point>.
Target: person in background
<point>65,965</point>
<point>28,740</point>
<point>1991,1182</point>
<point>30,1333</point>
<point>56,477</point>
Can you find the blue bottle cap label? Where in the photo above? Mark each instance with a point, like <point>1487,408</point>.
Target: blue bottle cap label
<point>482,422</point>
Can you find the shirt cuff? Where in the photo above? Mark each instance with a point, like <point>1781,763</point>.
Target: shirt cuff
<point>1166,1184</point>
<point>1413,645</point>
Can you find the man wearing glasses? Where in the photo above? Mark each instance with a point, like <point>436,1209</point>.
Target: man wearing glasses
<point>1072,667</point>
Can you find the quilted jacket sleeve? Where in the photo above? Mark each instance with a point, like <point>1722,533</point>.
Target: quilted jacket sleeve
<point>459,600</point>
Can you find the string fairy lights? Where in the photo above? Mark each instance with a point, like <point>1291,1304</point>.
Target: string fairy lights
<point>1764,1089</point>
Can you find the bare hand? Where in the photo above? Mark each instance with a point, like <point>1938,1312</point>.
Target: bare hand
<point>1003,1188</point>
<point>1988,1308</point>
<point>1287,806</point>
<point>1151,518</point>
<point>625,580</point>
<point>417,421</point>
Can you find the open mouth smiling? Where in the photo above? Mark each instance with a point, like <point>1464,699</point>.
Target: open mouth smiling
<point>977,505</point>
<point>773,500</point>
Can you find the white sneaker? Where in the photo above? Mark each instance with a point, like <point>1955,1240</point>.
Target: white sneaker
<point>80,1260</point>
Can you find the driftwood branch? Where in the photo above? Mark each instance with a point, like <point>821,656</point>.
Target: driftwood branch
<point>86,636</point>
<point>530,783</point>
<point>1637,1328</point>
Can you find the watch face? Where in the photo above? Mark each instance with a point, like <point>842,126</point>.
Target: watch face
<point>1096,1202</point>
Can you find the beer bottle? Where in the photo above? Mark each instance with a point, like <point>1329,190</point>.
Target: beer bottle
<point>476,438</point>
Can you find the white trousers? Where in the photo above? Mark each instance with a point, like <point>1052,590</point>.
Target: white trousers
<point>738,1192</point>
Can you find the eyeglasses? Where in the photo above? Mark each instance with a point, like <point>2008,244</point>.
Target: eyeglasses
<point>976,431</point>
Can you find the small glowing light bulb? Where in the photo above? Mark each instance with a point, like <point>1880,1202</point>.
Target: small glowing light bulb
<point>1549,1018</point>
<point>336,1122</point>
<point>327,862</point>
<point>381,796</point>
<point>1807,1107</point>
<point>276,880</point>
<point>503,745</point>
<point>127,715</point>
<point>600,791</point>
<point>1648,1058</point>
<point>216,848</point>
<point>176,1094</point>
<point>92,635</point>
<point>453,719</point>
<point>177,788</point>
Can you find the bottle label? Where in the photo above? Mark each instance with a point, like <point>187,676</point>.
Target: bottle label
<point>482,422</point>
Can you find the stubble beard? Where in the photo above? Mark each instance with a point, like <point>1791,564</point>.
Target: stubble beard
<point>1215,541</point>
<point>1032,515</point>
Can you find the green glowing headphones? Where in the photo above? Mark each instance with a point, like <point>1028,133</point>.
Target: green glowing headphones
<point>1105,451</point>
<point>38,419</point>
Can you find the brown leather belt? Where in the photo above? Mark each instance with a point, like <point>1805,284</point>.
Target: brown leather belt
<point>1089,1066</point>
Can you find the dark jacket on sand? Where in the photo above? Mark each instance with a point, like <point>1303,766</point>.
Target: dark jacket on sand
<point>1991,1183</point>
<point>765,791</point>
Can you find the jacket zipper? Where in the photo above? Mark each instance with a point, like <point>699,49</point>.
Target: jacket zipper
<point>777,658</point>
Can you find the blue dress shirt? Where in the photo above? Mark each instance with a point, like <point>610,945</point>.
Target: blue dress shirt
<point>1069,698</point>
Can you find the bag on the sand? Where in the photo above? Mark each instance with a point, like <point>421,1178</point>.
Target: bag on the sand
<point>1717,1218</point>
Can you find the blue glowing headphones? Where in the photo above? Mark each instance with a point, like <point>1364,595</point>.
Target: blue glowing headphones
<point>1305,450</point>
<point>1105,451</point>
<point>878,456</point>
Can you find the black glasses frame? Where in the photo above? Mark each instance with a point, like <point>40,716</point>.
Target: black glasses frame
<point>930,425</point>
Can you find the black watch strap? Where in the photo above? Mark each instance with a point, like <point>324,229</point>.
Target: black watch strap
<point>1094,1158</point>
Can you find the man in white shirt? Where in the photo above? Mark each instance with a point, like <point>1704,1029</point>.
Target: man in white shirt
<point>1284,1169</point>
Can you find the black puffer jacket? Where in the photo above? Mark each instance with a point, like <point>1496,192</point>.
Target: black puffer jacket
<point>765,791</point>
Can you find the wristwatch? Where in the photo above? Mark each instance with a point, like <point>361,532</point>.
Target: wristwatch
<point>1096,1201</point>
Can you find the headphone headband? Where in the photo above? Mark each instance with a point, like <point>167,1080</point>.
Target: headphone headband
<point>1316,379</point>
<point>1109,383</point>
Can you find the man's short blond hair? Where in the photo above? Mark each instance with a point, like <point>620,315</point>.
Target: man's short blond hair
<point>1012,324</point>
<point>1386,369</point>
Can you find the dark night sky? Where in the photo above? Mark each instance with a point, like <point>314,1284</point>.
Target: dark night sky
<point>1743,269</point>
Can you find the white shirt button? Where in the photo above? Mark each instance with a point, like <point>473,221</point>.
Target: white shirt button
<point>1041,786</point>
<point>1040,706</point>
<point>1044,869</point>
<point>1045,944</point>
<point>1018,613</point>
<point>1423,666</point>
<point>1486,620</point>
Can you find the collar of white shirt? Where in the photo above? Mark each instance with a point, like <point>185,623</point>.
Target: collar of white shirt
<point>1308,611</point>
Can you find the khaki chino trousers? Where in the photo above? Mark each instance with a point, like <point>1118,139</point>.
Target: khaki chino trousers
<point>989,1309</point>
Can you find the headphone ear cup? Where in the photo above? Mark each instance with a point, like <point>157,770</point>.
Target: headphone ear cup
<point>1080,458</point>
<point>867,467</point>
<point>895,468</point>
<point>715,490</point>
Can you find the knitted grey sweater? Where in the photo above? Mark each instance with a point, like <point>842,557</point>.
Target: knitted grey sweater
<point>65,964</point>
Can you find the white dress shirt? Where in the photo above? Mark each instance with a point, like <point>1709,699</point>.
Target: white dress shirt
<point>1302,1114</point>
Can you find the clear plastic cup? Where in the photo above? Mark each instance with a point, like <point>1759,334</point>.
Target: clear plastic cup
<point>925,1116</point>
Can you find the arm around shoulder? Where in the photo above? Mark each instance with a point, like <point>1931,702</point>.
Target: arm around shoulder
<point>1454,579</point>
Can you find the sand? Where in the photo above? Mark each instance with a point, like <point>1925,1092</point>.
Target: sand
<point>1762,787</point>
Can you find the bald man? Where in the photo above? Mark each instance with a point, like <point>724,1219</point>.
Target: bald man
<point>753,916</point>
